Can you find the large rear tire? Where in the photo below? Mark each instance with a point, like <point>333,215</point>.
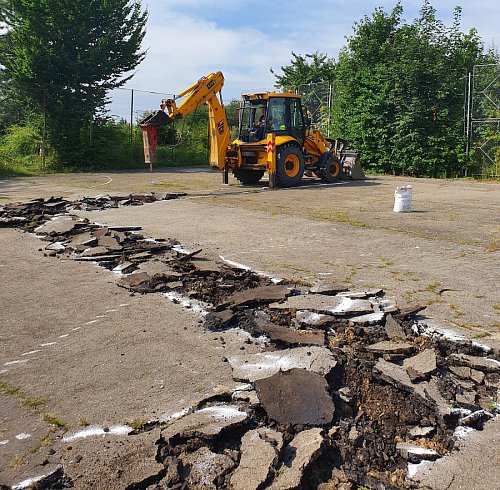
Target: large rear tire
<point>289,166</point>
<point>248,177</point>
<point>332,171</point>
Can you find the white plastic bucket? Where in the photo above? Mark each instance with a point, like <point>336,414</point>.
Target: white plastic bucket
<point>402,199</point>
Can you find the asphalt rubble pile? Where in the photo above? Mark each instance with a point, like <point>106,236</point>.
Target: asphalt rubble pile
<point>351,389</point>
<point>31,214</point>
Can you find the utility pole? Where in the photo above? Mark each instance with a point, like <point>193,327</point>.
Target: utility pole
<point>44,127</point>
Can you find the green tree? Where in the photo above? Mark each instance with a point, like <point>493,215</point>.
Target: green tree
<point>310,68</point>
<point>400,91</point>
<point>65,56</point>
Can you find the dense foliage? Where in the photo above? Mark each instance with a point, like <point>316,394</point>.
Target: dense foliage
<point>305,69</point>
<point>399,91</point>
<point>63,56</point>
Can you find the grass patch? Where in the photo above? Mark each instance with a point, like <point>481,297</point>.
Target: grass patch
<point>84,422</point>
<point>25,400</point>
<point>17,461</point>
<point>52,419</point>
<point>493,246</point>
<point>137,423</point>
<point>432,286</point>
<point>47,441</point>
<point>33,403</point>
<point>336,216</point>
<point>11,390</point>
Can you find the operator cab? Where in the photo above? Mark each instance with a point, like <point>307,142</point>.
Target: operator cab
<point>261,114</point>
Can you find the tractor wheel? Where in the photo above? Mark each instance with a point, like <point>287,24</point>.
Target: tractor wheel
<point>332,171</point>
<point>289,166</point>
<point>246,176</point>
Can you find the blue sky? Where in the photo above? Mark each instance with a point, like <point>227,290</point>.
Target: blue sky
<point>187,39</point>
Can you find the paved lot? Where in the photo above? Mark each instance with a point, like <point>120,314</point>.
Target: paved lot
<point>97,355</point>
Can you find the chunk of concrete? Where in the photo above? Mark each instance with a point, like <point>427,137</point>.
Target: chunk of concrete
<point>428,392</point>
<point>134,280</point>
<point>296,397</point>
<point>421,366</point>
<point>327,289</point>
<point>418,432</point>
<point>259,452</point>
<point>394,329</point>
<point>369,319</point>
<point>476,419</point>
<point>123,267</point>
<point>390,347</point>
<point>416,454</point>
<point>94,252</point>
<point>109,242</point>
<point>291,336</point>
<point>361,294</point>
<point>261,294</point>
<point>466,399</point>
<point>206,468</point>
<point>208,422</point>
<point>409,311</point>
<point>251,367</point>
<point>153,267</point>
<point>328,305</point>
<point>477,376</point>
<point>219,320</point>
<point>461,371</point>
<point>479,363</point>
<point>60,225</point>
<point>304,449</point>
<point>310,318</point>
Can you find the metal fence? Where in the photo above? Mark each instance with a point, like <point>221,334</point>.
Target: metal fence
<point>482,118</point>
<point>318,98</point>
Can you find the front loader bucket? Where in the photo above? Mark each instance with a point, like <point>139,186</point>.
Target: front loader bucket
<point>352,166</point>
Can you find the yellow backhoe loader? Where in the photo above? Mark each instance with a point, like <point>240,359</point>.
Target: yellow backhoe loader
<point>274,136</point>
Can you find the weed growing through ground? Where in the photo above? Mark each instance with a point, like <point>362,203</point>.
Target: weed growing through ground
<point>33,403</point>
<point>52,419</point>
<point>137,423</point>
<point>84,422</point>
<point>17,461</point>
<point>493,246</point>
<point>26,401</point>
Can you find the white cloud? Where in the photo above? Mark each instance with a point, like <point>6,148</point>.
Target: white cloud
<point>187,39</point>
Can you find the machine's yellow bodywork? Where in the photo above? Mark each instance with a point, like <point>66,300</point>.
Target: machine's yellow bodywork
<point>285,151</point>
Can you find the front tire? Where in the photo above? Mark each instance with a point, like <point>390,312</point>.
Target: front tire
<point>332,171</point>
<point>248,177</point>
<point>289,166</point>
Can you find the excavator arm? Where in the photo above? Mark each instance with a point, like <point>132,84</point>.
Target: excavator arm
<point>204,91</point>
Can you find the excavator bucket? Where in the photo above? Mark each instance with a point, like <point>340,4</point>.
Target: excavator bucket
<point>352,166</point>
<point>158,118</point>
<point>149,127</point>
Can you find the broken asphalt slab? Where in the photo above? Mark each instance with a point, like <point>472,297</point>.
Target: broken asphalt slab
<point>251,367</point>
<point>261,294</point>
<point>426,391</point>
<point>329,305</point>
<point>296,397</point>
<point>298,456</point>
<point>208,422</point>
<point>260,449</point>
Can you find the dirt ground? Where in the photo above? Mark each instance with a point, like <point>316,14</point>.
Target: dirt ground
<point>84,352</point>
